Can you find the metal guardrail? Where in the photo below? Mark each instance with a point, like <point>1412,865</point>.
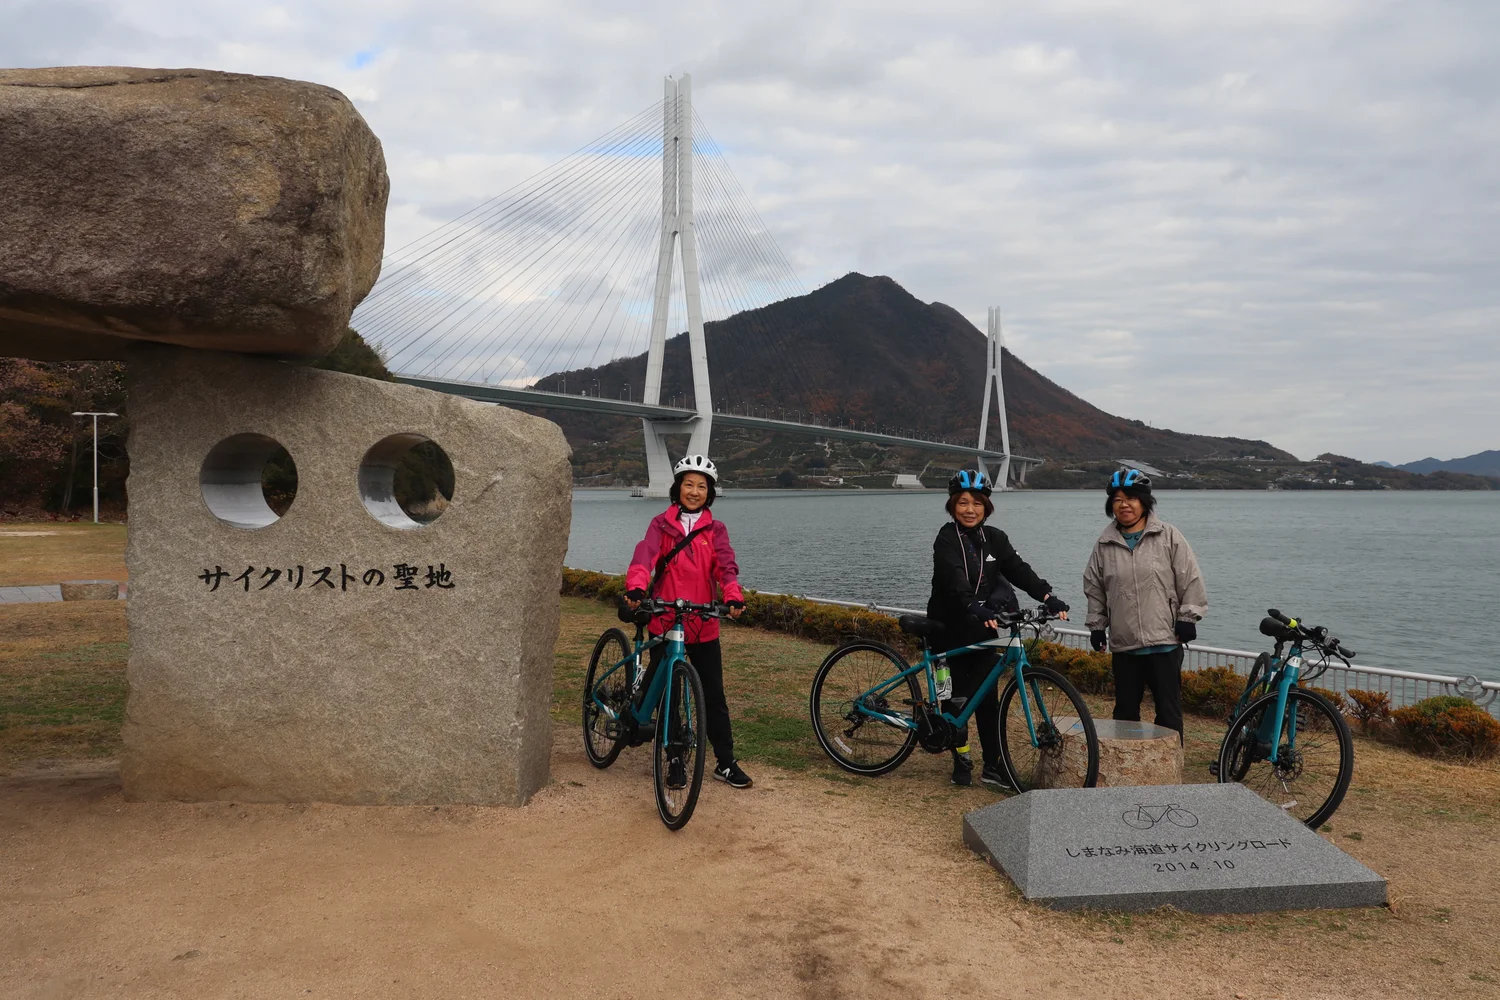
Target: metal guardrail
<point>1404,686</point>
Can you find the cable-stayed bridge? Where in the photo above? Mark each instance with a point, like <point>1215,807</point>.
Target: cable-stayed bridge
<point>557,273</point>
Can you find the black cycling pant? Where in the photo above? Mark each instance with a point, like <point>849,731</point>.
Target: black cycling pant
<point>1162,673</point>
<point>708,659</point>
<point>969,672</point>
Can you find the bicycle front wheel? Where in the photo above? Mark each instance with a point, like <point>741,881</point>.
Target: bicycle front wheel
<point>1314,755</point>
<point>1065,750</point>
<point>857,741</point>
<point>603,737</point>
<point>677,766</point>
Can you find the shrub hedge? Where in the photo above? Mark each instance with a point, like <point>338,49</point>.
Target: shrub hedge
<point>1448,726</point>
<point>821,623</point>
<point>1371,709</point>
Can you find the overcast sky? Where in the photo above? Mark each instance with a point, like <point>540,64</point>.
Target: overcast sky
<point>1274,220</point>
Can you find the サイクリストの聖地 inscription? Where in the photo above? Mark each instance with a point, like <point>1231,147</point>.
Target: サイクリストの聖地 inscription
<point>337,577</point>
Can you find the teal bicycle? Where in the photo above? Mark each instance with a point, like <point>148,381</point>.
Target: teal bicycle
<point>1290,745</point>
<point>870,713</point>
<point>626,702</point>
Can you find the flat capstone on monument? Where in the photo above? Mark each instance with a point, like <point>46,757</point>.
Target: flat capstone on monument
<point>1201,848</point>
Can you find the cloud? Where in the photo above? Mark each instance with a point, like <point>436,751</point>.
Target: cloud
<point>1291,207</point>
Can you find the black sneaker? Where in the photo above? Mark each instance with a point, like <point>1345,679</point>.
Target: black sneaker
<point>676,773</point>
<point>995,777</point>
<point>963,771</point>
<point>732,776</point>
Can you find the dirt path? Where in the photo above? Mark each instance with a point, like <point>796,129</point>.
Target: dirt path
<point>791,889</point>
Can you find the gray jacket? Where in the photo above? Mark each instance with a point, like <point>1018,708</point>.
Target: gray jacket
<point>1139,594</point>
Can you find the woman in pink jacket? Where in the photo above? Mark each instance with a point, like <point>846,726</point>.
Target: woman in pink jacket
<point>693,573</point>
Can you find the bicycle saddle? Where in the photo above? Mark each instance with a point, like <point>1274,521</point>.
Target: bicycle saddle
<point>920,626</point>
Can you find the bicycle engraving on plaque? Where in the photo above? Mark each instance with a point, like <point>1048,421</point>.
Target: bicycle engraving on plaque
<point>1144,817</point>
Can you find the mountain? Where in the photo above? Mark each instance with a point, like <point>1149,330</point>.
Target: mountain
<point>863,350</point>
<point>1485,463</point>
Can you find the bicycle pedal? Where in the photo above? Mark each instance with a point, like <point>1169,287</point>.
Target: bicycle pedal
<point>1213,768</point>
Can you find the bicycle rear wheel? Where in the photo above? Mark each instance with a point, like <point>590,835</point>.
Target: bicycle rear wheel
<point>677,765</point>
<point>856,741</point>
<point>1066,751</point>
<point>603,737</point>
<point>1315,758</point>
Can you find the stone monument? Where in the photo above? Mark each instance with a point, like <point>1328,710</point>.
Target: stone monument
<point>341,650</point>
<point>1200,848</point>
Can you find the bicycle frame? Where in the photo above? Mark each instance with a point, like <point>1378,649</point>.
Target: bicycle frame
<point>642,705</point>
<point>1282,675</point>
<point>1014,658</point>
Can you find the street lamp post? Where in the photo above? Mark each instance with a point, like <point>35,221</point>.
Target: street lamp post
<point>96,415</point>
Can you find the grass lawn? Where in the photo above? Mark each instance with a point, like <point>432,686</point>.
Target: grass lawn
<point>51,552</point>
<point>62,680</point>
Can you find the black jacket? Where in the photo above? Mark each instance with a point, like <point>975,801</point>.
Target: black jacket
<point>981,567</point>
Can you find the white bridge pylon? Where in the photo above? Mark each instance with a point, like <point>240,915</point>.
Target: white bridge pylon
<point>993,347</point>
<point>676,228</point>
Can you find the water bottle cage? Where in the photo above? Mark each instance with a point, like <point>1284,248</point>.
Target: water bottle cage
<point>942,676</point>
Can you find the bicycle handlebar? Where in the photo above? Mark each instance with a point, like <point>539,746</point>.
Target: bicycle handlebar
<point>656,606</point>
<point>1025,618</point>
<point>1281,628</point>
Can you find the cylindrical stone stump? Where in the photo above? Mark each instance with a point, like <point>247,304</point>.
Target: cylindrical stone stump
<point>1130,753</point>
<point>90,590</point>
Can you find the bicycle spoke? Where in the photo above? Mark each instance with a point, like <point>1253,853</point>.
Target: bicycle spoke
<point>602,735</point>
<point>1044,735</point>
<point>1314,759</point>
<point>679,748</point>
<point>843,705</point>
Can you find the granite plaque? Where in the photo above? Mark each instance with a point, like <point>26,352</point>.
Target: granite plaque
<point>1200,848</point>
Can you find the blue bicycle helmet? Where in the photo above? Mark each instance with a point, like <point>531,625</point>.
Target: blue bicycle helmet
<point>970,479</point>
<point>1129,479</point>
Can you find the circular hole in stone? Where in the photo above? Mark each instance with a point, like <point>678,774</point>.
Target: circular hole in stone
<point>406,480</point>
<point>248,480</point>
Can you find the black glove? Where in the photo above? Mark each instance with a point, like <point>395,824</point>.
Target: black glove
<point>982,611</point>
<point>734,604</point>
<point>635,594</point>
<point>1054,604</point>
<point>1186,631</point>
<point>1098,639</point>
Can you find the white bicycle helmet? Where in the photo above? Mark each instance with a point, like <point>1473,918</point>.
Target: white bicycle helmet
<point>697,463</point>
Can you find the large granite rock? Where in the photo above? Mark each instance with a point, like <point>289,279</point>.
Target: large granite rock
<point>1200,848</point>
<point>342,652</point>
<point>206,209</point>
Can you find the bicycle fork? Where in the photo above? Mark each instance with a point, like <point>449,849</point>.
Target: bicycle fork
<point>1268,734</point>
<point>1028,691</point>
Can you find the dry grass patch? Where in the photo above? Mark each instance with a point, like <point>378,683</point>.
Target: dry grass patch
<point>62,680</point>
<point>50,552</point>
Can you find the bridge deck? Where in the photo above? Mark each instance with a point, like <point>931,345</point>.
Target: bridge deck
<point>620,407</point>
